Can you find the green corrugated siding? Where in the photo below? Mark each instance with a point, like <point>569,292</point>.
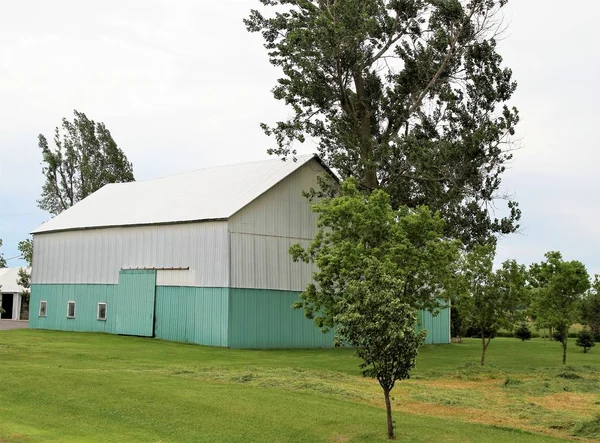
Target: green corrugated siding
<point>134,305</point>
<point>262,318</point>
<point>438,327</point>
<point>194,315</point>
<point>86,299</point>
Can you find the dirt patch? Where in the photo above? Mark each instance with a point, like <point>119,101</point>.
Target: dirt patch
<point>585,404</point>
<point>7,325</point>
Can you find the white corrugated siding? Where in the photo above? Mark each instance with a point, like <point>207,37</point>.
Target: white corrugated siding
<point>97,255</point>
<point>262,233</point>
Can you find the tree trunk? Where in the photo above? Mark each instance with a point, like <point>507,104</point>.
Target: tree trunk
<point>483,348</point>
<point>365,133</point>
<point>564,351</point>
<point>388,407</point>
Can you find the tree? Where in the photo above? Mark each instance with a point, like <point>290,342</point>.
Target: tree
<point>404,95</point>
<point>560,286</point>
<point>84,159</point>
<point>24,276</point>
<point>523,332</point>
<point>490,300</point>
<point>2,259</point>
<point>590,309</point>
<point>585,340</point>
<point>376,267</point>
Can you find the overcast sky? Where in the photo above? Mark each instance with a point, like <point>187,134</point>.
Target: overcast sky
<point>181,85</point>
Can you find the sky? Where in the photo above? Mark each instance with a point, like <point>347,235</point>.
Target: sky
<point>181,85</point>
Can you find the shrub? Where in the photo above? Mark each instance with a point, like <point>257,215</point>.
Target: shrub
<point>522,332</point>
<point>585,339</point>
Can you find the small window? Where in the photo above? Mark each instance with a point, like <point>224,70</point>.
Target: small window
<point>43,308</point>
<point>71,309</point>
<point>101,311</point>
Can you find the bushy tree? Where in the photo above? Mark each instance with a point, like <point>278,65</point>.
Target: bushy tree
<point>409,96</point>
<point>490,299</point>
<point>590,309</point>
<point>559,289</point>
<point>376,267</point>
<point>522,332</point>
<point>24,275</point>
<point>84,159</point>
<point>585,340</point>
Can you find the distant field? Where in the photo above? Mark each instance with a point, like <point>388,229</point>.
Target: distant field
<point>60,386</point>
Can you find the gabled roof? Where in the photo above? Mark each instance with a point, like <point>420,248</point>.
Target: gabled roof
<point>206,194</point>
<point>8,280</point>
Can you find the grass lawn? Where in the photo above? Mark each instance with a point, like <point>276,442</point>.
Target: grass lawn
<point>60,386</point>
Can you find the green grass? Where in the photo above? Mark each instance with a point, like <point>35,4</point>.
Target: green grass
<point>59,386</point>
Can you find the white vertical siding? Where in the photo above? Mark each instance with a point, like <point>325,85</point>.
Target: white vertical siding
<point>96,255</point>
<point>263,231</point>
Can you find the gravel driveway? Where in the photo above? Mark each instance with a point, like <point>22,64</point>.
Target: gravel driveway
<point>5,325</point>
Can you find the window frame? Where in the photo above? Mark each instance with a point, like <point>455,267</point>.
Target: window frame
<point>74,308</point>
<point>45,314</point>
<point>105,311</point>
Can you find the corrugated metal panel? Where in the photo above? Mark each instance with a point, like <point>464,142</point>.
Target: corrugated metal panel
<point>206,194</point>
<point>97,255</point>
<point>266,319</point>
<point>264,262</point>
<point>192,315</point>
<point>86,297</point>
<point>282,211</point>
<point>438,327</point>
<point>134,305</point>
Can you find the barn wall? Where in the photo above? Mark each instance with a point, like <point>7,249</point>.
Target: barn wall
<point>263,231</point>
<point>95,256</point>
<point>192,315</point>
<point>438,327</point>
<point>261,318</point>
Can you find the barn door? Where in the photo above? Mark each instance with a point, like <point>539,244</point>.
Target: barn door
<point>134,306</point>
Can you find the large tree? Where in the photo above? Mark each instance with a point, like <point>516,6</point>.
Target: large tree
<point>559,288</point>
<point>490,299</point>
<point>85,158</point>
<point>376,267</point>
<point>24,276</point>
<point>405,95</point>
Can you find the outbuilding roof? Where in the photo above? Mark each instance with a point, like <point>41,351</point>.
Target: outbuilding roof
<point>205,194</point>
<point>8,280</point>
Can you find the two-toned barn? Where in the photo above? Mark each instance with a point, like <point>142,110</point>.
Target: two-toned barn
<point>199,257</point>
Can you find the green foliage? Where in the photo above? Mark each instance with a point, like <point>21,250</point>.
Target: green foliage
<point>590,308</point>
<point>523,332</point>
<point>2,259</point>
<point>376,267</point>
<point>585,340</point>
<point>24,280</point>
<point>408,96</point>
<point>559,287</point>
<point>84,159</point>
<point>490,300</point>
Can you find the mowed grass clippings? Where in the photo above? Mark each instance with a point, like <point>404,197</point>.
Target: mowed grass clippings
<point>59,386</point>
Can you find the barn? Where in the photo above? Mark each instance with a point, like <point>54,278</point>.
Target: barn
<point>199,257</point>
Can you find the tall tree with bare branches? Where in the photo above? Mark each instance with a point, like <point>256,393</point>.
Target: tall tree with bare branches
<point>405,95</point>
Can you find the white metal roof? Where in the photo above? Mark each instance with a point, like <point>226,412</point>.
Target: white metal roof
<point>8,280</point>
<point>205,194</point>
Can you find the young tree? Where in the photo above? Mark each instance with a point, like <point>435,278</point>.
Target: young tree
<point>560,287</point>
<point>84,159</point>
<point>376,267</point>
<point>590,309</point>
<point>490,300</point>
<point>585,340</point>
<point>408,96</point>
<point>24,275</point>
<point>522,332</point>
